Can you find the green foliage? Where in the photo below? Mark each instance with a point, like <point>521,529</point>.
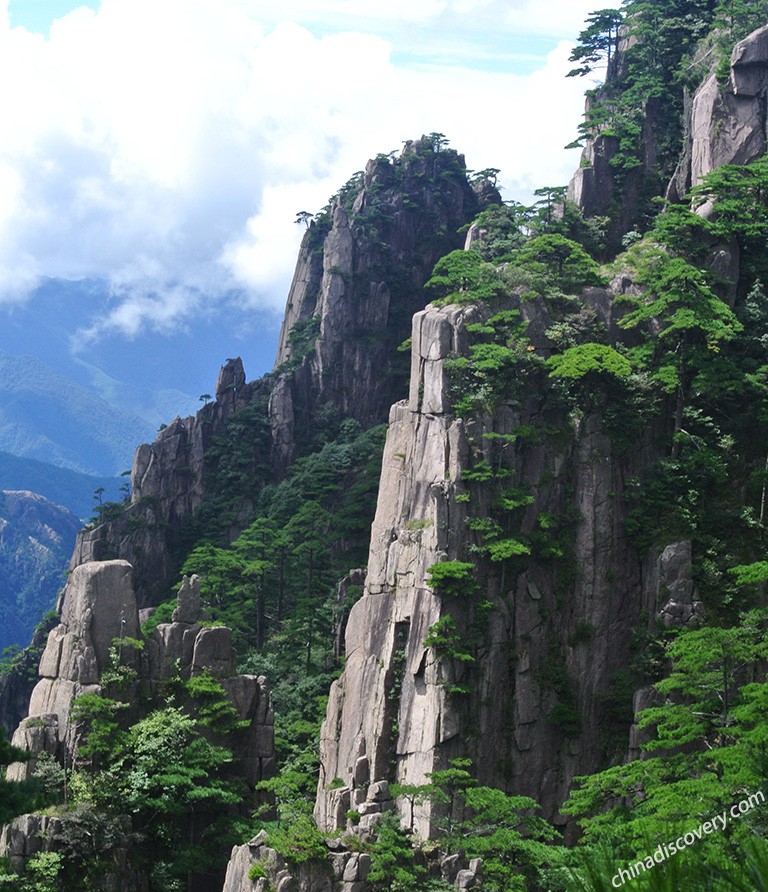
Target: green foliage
<point>16,798</point>
<point>447,640</point>
<point>589,359</point>
<point>299,841</point>
<point>393,860</point>
<point>563,261</point>
<point>452,578</point>
<point>163,613</point>
<point>44,870</point>
<point>256,872</point>
<point>598,41</point>
<point>211,705</point>
<point>463,277</point>
<point>166,769</point>
<point>751,574</point>
<point>301,341</point>
<point>503,549</point>
<point>553,676</point>
<point>500,365</point>
<point>709,733</point>
<point>117,675</point>
<point>502,229</point>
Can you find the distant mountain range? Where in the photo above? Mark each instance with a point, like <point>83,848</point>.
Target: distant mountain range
<point>48,417</point>
<point>152,375</point>
<point>71,489</point>
<point>36,540</point>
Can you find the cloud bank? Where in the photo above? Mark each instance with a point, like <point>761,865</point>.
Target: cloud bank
<point>166,146</point>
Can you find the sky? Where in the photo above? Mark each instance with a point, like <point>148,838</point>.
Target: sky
<point>166,146</point>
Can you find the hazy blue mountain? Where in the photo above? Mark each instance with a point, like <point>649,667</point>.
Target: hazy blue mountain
<point>154,375</point>
<point>51,418</point>
<point>36,540</point>
<point>73,490</point>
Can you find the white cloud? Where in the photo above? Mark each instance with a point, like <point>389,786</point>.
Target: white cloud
<point>166,145</point>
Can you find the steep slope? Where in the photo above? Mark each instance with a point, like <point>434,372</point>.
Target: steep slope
<point>577,470</point>
<point>529,706</point>
<point>350,306</point>
<point>518,657</point>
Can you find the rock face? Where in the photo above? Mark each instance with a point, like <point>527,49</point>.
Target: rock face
<point>168,485</point>
<point>599,190</point>
<point>348,870</point>
<point>28,835</point>
<point>417,522</point>
<point>99,606</point>
<point>360,292</point>
<point>401,709</point>
<point>726,121</point>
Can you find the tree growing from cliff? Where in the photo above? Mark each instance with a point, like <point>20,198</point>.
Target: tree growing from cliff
<point>565,262</point>
<point>684,321</point>
<point>464,277</point>
<point>516,845</point>
<point>598,42</point>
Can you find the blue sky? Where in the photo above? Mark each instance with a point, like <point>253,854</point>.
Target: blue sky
<point>165,146</point>
<point>37,15</point>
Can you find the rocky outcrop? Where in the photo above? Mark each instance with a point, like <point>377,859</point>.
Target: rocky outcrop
<point>168,484</point>
<point>99,611</point>
<point>30,835</point>
<point>556,632</point>
<point>359,277</point>
<point>98,605</point>
<point>726,120</point>
<point>417,523</point>
<point>344,870</point>
<point>358,281</point>
<point>677,599</point>
<point>602,190</point>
